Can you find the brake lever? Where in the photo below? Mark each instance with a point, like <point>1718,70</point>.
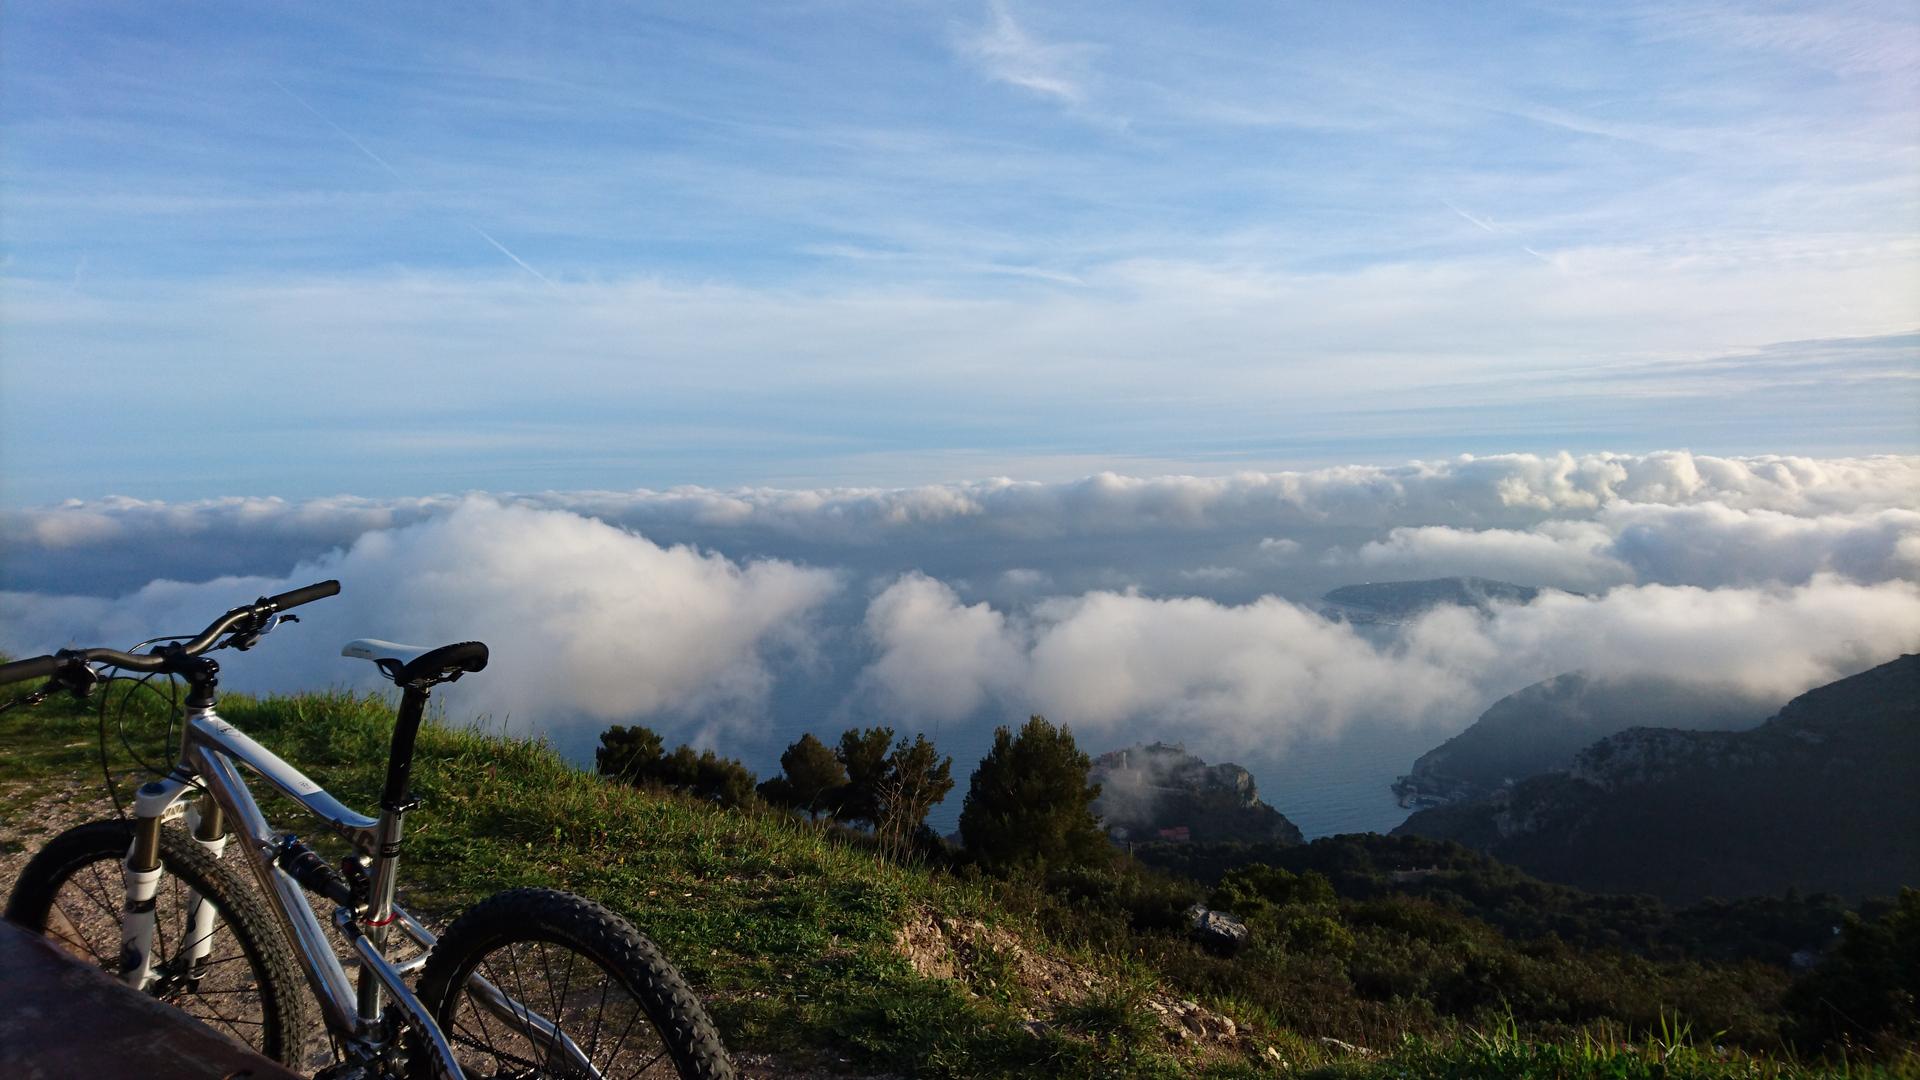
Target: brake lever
<point>247,639</point>
<point>67,678</point>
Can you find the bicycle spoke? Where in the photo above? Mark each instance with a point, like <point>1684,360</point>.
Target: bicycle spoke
<point>102,893</point>
<point>71,933</point>
<point>553,1007</point>
<point>622,1041</point>
<point>650,1063</point>
<point>600,1014</point>
<point>224,1019</point>
<point>480,1009</point>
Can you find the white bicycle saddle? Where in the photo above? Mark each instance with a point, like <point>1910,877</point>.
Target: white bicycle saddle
<point>376,650</point>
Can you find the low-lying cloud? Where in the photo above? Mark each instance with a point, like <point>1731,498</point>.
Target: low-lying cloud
<point>585,620</point>
<point>1708,544</point>
<point>1130,608</point>
<point>1501,491</point>
<point>1252,674</point>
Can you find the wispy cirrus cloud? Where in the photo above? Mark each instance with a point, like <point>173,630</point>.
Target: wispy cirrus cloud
<point>924,237</point>
<point>1007,52</point>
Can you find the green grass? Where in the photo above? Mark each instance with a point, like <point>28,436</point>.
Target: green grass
<point>787,933</point>
<point>1674,1054</point>
<point>787,930</point>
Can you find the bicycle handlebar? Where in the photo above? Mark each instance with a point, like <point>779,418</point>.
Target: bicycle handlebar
<point>38,667</point>
<point>294,598</point>
<point>161,659</point>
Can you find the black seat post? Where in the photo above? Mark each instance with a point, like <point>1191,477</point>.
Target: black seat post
<point>413,707</point>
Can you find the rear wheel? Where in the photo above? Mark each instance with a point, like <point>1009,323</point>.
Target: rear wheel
<point>246,985</point>
<point>603,1001</point>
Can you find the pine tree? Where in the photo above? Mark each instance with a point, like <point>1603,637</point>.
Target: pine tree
<point>864,754</point>
<point>917,777</point>
<point>1028,804</point>
<point>633,755</point>
<point>628,753</point>
<point>811,777</point>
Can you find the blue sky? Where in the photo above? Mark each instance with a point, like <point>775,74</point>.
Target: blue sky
<point>388,249</point>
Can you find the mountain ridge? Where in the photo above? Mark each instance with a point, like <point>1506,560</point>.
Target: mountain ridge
<point>1543,727</point>
<point>1820,798</point>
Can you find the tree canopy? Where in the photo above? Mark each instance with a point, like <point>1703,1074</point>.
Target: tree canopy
<point>863,752</point>
<point>917,777</point>
<point>1028,803</point>
<point>811,777</point>
<point>634,755</point>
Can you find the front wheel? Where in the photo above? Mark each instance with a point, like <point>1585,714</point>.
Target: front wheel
<point>218,953</point>
<point>539,983</point>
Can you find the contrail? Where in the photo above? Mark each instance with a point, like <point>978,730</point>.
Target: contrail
<point>1495,230</point>
<point>518,261</point>
<point>395,173</point>
<point>1469,217</point>
<point>342,132</point>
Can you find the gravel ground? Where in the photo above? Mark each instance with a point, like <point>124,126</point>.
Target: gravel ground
<point>44,817</point>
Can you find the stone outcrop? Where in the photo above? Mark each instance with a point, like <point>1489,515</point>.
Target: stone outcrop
<point>1218,932</point>
<point>1159,791</point>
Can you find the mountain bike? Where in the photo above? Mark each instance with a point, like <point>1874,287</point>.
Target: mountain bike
<point>527,983</point>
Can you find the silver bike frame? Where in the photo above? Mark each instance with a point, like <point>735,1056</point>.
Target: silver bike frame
<point>210,750</point>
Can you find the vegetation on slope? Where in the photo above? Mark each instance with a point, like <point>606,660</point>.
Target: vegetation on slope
<point>794,935</point>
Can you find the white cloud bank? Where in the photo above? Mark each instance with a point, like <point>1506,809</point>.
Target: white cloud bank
<point>1266,673</point>
<point>1705,544</point>
<point>583,619</point>
<point>1175,604</point>
<point>1506,489</point>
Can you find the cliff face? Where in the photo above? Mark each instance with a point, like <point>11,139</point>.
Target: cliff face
<point>1820,798</point>
<point>1543,728</point>
<point>1147,789</point>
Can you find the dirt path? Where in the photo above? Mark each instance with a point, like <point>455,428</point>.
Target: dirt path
<point>42,818</point>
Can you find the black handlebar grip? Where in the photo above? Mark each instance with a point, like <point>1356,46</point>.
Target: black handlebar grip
<point>317,591</point>
<point>38,667</point>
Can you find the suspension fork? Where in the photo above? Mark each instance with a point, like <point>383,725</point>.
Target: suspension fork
<point>209,828</point>
<point>142,867</point>
<point>142,875</point>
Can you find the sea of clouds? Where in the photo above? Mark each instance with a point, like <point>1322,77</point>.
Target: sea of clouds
<point>1131,608</point>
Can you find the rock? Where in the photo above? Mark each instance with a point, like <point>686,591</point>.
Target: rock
<point>1161,792</point>
<point>1218,932</point>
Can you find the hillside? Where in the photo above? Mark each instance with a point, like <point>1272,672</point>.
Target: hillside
<point>820,959</point>
<point>1781,931</point>
<point>1159,791</point>
<point>1820,798</point>
<point>1543,727</point>
<point>1396,601</point>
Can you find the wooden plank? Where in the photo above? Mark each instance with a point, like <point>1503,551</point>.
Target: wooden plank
<point>60,1018</point>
